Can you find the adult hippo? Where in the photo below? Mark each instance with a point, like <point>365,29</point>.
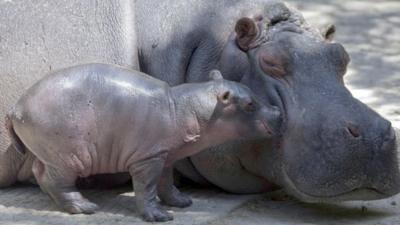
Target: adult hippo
<point>331,147</point>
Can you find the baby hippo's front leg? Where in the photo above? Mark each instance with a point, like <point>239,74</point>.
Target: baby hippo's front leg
<point>168,193</point>
<point>145,175</point>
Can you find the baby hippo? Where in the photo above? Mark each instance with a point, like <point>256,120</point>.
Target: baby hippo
<point>98,118</point>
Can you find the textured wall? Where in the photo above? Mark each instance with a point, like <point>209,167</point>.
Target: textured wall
<point>39,36</point>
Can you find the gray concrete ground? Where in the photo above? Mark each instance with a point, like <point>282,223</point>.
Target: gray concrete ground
<point>370,31</point>
<point>28,205</point>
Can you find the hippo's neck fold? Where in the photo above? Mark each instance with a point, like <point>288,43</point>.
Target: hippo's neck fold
<point>191,108</point>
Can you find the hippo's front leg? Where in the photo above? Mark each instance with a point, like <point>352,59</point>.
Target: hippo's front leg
<point>145,176</point>
<point>168,193</point>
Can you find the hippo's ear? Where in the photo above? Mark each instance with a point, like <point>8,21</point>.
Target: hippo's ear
<point>247,31</point>
<point>215,75</point>
<point>225,97</point>
<point>329,32</point>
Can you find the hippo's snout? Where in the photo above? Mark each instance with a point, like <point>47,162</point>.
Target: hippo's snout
<point>381,176</point>
<point>383,167</point>
<point>349,156</point>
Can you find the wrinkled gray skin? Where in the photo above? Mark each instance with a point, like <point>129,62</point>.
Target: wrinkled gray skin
<point>350,152</point>
<point>97,118</point>
<point>332,146</point>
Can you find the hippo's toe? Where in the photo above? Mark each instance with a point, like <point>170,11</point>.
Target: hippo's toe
<point>81,206</point>
<point>156,214</point>
<point>179,200</point>
<point>173,197</point>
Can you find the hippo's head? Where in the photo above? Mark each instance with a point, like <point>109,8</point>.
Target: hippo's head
<point>333,147</point>
<point>239,113</point>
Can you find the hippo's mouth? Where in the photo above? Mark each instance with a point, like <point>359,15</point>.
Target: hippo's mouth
<point>364,193</point>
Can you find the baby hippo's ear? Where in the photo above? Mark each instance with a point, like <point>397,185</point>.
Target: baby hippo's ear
<point>225,97</point>
<point>215,75</point>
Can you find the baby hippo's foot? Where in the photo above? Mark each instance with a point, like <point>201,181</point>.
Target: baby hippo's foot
<point>66,195</point>
<point>156,214</point>
<point>79,205</point>
<point>176,198</point>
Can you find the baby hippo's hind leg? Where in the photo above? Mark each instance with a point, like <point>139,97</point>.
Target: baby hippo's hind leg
<point>60,185</point>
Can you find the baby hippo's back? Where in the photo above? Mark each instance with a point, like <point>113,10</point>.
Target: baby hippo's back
<point>88,114</point>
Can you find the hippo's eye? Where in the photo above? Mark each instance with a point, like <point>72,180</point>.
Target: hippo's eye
<point>250,107</point>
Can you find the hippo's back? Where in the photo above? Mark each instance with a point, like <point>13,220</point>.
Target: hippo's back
<point>94,80</point>
<point>97,76</point>
<point>87,94</point>
<point>83,110</point>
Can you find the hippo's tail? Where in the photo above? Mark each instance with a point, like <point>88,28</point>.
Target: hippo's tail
<point>15,140</point>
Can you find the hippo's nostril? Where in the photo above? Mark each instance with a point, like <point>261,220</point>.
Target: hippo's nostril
<point>353,130</point>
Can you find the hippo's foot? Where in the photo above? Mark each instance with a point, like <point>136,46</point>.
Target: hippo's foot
<point>78,206</point>
<point>60,185</point>
<point>145,175</point>
<point>156,214</point>
<point>176,198</point>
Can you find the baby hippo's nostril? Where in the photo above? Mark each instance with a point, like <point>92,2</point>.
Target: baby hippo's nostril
<point>353,130</point>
